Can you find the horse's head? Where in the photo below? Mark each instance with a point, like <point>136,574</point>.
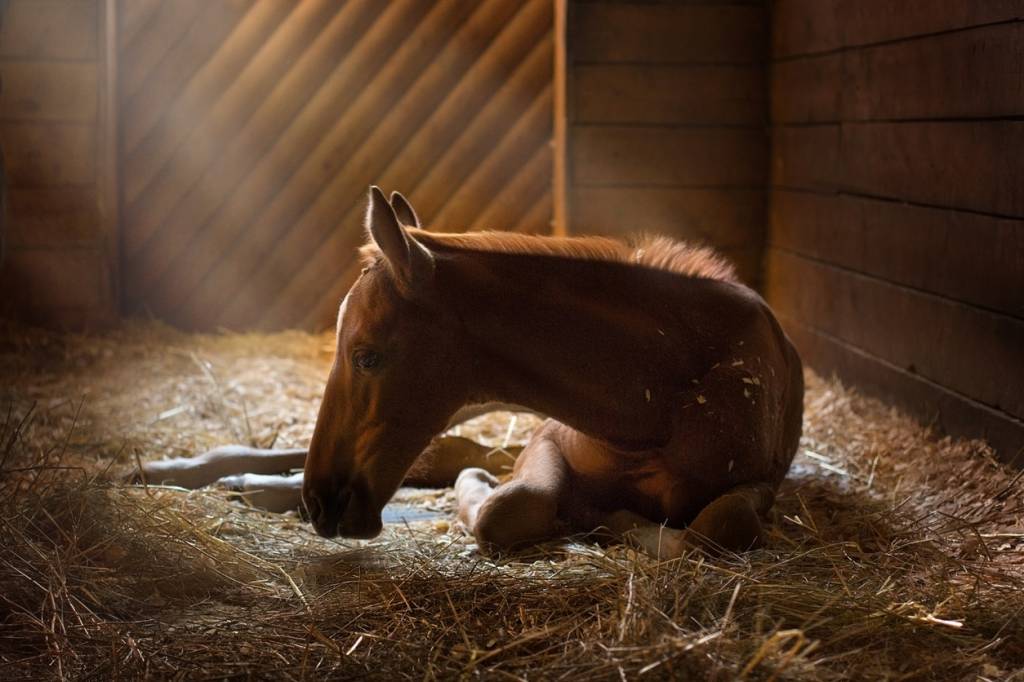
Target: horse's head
<point>395,382</point>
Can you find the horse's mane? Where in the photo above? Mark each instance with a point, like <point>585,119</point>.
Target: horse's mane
<point>660,253</point>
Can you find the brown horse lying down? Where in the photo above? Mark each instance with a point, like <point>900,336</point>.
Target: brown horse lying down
<point>675,398</point>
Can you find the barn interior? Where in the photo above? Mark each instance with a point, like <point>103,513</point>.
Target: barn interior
<point>183,190</point>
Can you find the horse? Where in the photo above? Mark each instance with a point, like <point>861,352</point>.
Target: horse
<point>674,399</point>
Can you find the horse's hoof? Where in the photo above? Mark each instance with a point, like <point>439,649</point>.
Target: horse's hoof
<point>475,476</point>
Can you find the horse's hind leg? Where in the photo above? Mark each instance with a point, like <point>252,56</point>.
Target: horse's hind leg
<point>731,522</point>
<point>438,466</point>
<point>209,467</point>
<point>441,463</point>
<point>522,511</point>
<point>272,493</point>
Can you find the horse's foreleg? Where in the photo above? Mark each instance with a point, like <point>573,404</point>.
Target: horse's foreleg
<point>273,493</point>
<point>446,456</point>
<point>207,468</point>
<point>731,522</point>
<point>521,511</point>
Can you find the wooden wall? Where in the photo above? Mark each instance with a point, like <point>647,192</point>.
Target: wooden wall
<point>252,129</point>
<point>60,265</point>
<point>667,116</point>
<point>896,238</point>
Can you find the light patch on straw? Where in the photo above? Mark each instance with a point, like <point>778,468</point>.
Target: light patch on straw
<point>509,430</point>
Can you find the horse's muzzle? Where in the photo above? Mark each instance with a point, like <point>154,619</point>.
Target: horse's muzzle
<point>340,513</point>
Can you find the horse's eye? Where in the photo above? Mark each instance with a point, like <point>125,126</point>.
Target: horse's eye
<point>366,359</point>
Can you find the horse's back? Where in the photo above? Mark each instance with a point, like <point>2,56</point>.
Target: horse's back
<point>736,424</point>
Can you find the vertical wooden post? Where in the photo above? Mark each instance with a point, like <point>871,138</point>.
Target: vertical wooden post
<point>108,185</point>
<point>560,189</point>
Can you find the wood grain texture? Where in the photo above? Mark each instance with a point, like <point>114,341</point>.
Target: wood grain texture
<point>896,235</point>
<point>668,94</point>
<point>50,30</point>
<point>972,165</point>
<point>973,352</point>
<point>668,156</point>
<point>723,218</point>
<point>801,27</point>
<point>341,200</point>
<point>49,91</point>
<point>932,403</point>
<point>226,215</point>
<point>49,154</point>
<point>156,89</point>
<point>58,269</point>
<point>246,174</point>
<point>52,217</point>
<point>975,259</point>
<point>968,74</point>
<point>61,279</point>
<point>668,33</point>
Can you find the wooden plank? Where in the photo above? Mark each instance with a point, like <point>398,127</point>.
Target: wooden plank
<point>530,181</point>
<point>49,217</point>
<point>397,103</point>
<point>46,154</point>
<point>145,151</point>
<point>873,21</point>
<point>801,27</point>
<point>974,73</point>
<point>724,218</point>
<point>526,42</point>
<point>667,33</point>
<point>161,179</point>
<point>807,90</point>
<point>48,91</point>
<point>57,278</point>
<point>516,100</point>
<point>301,159</point>
<point>133,15</point>
<point>165,82</point>
<point>971,351</point>
<point>628,93</point>
<point>108,189</point>
<point>479,190</point>
<point>806,157</point>
<point>964,256</point>
<point>399,164</point>
<point>968,74</point>
<point>972,165</point>
<point>668,156</point>
<point>183,208</point>
<point>560,187</point>
<point>540,218</point>
<point>493,172</point>
<point>156,39</point>
<point>931,403</point>
<point>804,26</point>
<point>49,29</point>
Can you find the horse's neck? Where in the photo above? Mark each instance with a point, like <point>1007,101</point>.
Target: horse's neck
<point>602,347</point>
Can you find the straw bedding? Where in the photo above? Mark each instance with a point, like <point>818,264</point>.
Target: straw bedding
<point>892,554</point>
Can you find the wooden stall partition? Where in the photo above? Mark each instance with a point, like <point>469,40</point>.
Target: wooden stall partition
<point>252,129</point>
<point>667,119</point>
<point>896,236</point>
<point>59,265</point>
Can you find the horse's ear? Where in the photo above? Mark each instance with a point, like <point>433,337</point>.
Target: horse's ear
<point>404,211</point>
<point>411,263</point>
